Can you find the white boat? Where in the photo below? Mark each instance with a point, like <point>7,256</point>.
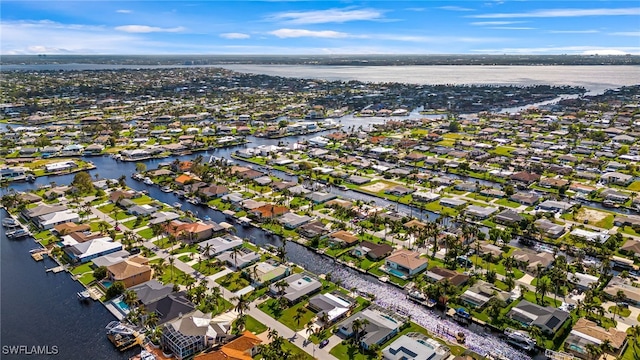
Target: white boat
<point>17,233</point>
<point>145,355</point>
<point>83,295</point>
<point>165,189</point>
<point>10,222</point>
<point>177,205</point>
<point>520,339</point>
<point>148,181</point>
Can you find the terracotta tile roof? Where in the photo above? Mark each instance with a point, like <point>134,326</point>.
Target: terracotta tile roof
<point>345,236</point>
<point>70,227</point>
<point>592,329</point>
<point>126,269</point>
<point>183,178</point>
<point>238,349</point>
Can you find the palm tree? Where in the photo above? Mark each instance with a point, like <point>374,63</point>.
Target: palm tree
<point>593,350</point>
<point>606,346</point>
<point>281,286</point>
<point>241,321</point>
<point>542,287</point>
<point>242,304</point>
<point>172,260</point>
<point>151,320</point>
<point>130,297</point>
<point>300,312</point>
<point>357,326</point>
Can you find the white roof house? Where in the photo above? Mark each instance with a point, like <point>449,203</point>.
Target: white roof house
<point>48,221</point>
<point>593,236</point>
<point>90,250</point>
<point>61,165</point>
<point>219,245</point>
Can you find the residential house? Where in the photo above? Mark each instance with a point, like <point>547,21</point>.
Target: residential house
<point>335,305</point>
<point>582,281</point>
<point>342,238</point>
<point>479,212</point>
<point>371,250</point>
<point>299,286</point>
<point>191,232</point>
<point>508,217</point>
<point>555,206</point>
<point>267,272</point>
<point>48,221</point>
<point>313,229</point>
<point>528,199</point>
<point>455,278</point>
<point>549,228</point>
<point>42,209</point>
<point>404,264</point>
<point>452,203</point>
<point>150,291</point>
<point>478,294</point>
<point>214,191</point>
<point>380,326</point>
<point>244,347</point>
<point>318,197</point>
<point>415,346</point>
<point>631,293</point>
<point>616,178</point>
<point>189,334</point>
<point>592,236</point>
<point>172,306</point>
<point>131,272</point>
<point>86,251</point>
<point>293,221</point>
<point>239,259</point>
<point>524,178</point>
<point>553,183</point>
<point>631,247</point>
<point>269,211</point>
<point>218,245</point>
<point>587,332</point>
<point>548,319</point>
<point>531,259</point>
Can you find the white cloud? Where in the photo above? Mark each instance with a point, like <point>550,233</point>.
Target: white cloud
<point>455,8</point>
<point>562,13</point>
<point>124,11</point>
<point>296,33</point>
<point>327,16</point>
<point>626,33</point>
<point>511,28</point>
<point>573,31</point>
<point>495,23</point>
<point>234,36</point>
<point>142,29</point>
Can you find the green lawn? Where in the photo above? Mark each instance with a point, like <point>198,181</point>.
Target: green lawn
<point>174,275</point>
<point>531,297</point>
<point>253,325</point>
<point>146,233</point>
<point>131,224</point>
<point>286,316</point>
<point>634,186</point>
<point>233,282</point>
<point>204,268</point>
<point>443,210</point>
<point>81,269</point>
<point>86,279</point>
<point>142,200</point>
<point>186,249</point>
<point>163,243</point>
<point>507,202</point>
<point>606,223</point>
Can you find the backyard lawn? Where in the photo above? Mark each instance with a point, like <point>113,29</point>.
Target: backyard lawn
<point>233,282</point>
<point>146,233</point>
<point>286,316</point>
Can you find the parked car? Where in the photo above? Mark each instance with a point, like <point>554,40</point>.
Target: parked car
<point>324,343</point>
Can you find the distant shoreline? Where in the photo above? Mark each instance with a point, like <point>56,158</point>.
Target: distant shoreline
<point>326,60</point>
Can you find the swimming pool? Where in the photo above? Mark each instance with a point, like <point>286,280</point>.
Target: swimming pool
<point>106,284</point>
<point>397,273</point>
<point>121,305</point>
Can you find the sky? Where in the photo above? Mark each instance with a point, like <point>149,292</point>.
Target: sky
<point>319,27</point>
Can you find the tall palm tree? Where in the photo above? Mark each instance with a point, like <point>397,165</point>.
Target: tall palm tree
<point>241,321</point>
<point>300,312</point>
<point>151,320</point>
<point>281,286</point>
<point>172,260</point>
<point>357,326</point>
<point>242,304</point>
<point>130,297</point>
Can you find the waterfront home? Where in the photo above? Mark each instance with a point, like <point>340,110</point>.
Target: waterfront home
<point>131,272</point>
<point>269,211</point>
<point>48,221</point>
<point>244,347</point>
<point>109,259</point>
<point>41,209</point>
<point>342,238</point>
<point>299,286</point>
<point>150,291</point>
<point>218,245</point>
<point>141,210</point>
<point>455,278</point>
<point>478,294</point>
<point>214,191</point>
<point>189,334</point>
<point>631,247</point>
<point>69,228</point>
<point>479,212</point>
<point>592,236</point>
<point>313,229</point>
<point>292,221</point>
<point>239,259</point>
<point>116,196</point>
<point>492,193</point>
<point>267,272</point>
<point>616,178</point>
<point>86,251</point>
<point>528,199</point>
<point>549,228</point>
<point>318,197</point>
<point>191,232</point>
<point>587,332</point>
<point>548,319</point>
<point>160,217</point>
<point>425,196</point>
<point>508,217</point>
<point>553,183</point>
<point>415,346</point>
<point>524,178</point>
<point>381,325</point>
<point>452,203</point>
<point>615,196</point>
<point>371,250</point>
<point>358,180</point>
<point>182,180</point>
<point>335,305</point>
<point>404,264</point>
<point>171,306</point>
<point>531,259</point>
<point>555,206</point>
<point>60,166</point>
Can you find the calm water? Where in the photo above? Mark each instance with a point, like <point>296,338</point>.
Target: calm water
<point>41,309</point>
<point>593,78</point>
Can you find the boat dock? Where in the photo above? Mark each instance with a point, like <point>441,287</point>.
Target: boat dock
<point>56,269</point>
<point>39,255</point>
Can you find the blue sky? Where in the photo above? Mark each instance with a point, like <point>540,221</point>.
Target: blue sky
<point>320,27</point>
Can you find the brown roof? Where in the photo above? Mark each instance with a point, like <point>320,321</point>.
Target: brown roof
<point>126,269</point>
<point>238,349</point>
<point>414,223</point>
<point>525,176</point>
<point>270,210</point>
<point>70,227</point>
<point>454,277</point>
<point>345,236</point>
<point>632,246</point>
<point>592,329</point>
<point>407,258</point>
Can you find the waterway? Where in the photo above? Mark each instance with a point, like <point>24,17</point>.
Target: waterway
<point>96,317</point>
<point>41,309</point>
